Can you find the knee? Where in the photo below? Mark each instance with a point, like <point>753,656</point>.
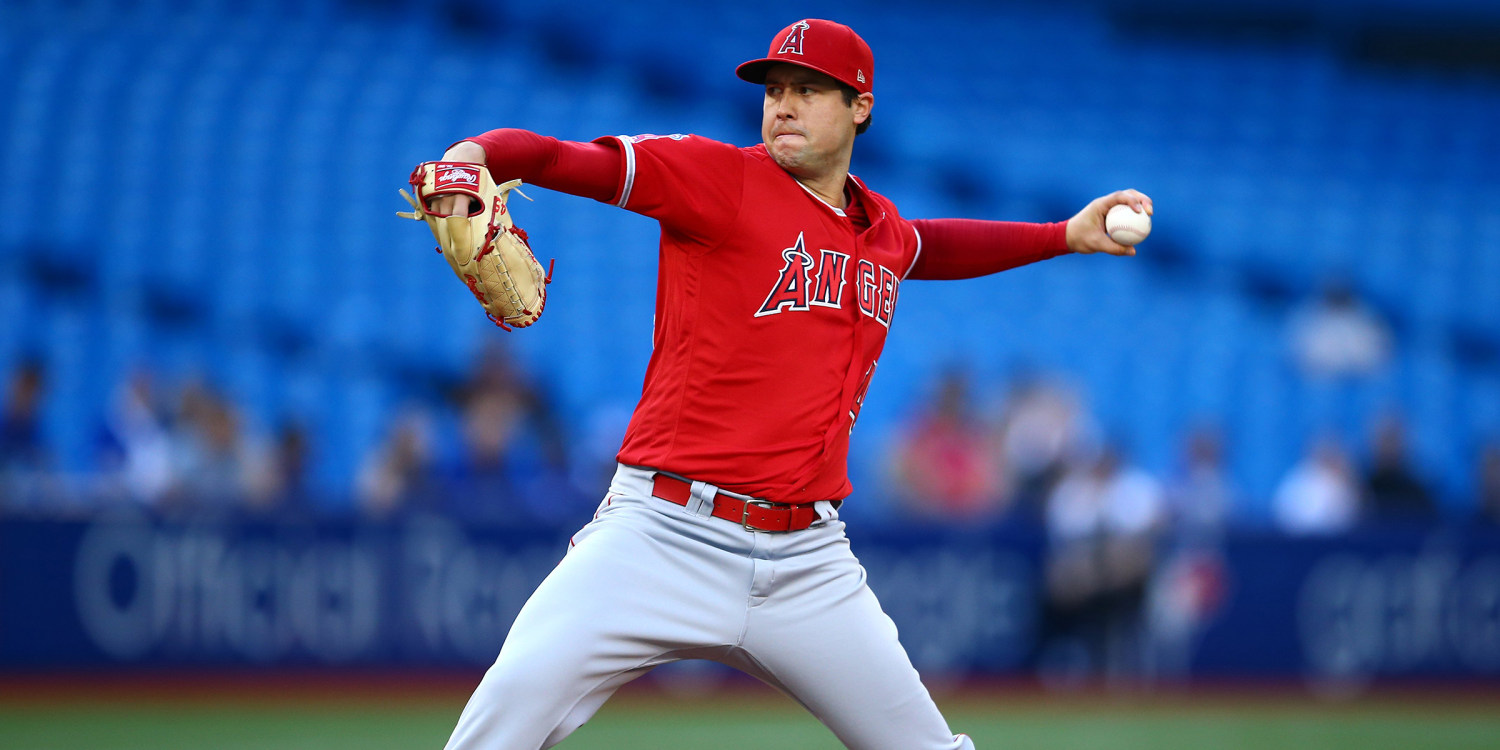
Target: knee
<point>522,681</point>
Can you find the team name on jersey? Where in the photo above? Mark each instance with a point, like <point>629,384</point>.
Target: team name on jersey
<point>805,282</point>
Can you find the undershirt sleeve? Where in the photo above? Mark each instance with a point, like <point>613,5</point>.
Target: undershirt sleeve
<point>968,248</point>
<point>589,170</point>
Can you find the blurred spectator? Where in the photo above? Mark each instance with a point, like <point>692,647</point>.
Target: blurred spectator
<point>1103,520</point>
<point>1393,491</point>
<point>214,461</point>
<point>1202,496</point>
<point>512,467</point>
<point>1488,484</point>
<point>1188,587</point>
<point>137,446</point>
<point>1320,495</point>
<point>24,458</point>
<point>279,484</point>
<point>21,446</point>
<point>947,462</point>
<point>398,477</point>
<point>482,481</point>
<point>1338,335</point>
<point>1044,424</point>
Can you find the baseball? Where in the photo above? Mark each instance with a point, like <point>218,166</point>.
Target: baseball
<point>1125,226</point>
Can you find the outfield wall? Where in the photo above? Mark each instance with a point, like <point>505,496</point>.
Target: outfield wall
<point>135,592</point>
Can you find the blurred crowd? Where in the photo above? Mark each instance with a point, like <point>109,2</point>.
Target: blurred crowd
<point>489,447</point>
<point>1133,567</point>
<point>486,448</point>
<point>1041,456</point>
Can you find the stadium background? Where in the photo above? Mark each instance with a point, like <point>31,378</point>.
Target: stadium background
<point>203,191</point>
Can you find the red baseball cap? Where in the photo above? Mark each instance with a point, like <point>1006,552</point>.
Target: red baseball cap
<point>827,47</point>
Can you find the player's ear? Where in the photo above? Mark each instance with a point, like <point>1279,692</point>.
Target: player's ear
<point>863,105</point>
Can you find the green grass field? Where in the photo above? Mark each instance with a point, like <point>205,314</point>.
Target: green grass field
<point>221,719</point>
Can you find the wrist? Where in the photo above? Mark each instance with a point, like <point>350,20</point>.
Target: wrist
<point>1062,236</point>
<point>466,151</point>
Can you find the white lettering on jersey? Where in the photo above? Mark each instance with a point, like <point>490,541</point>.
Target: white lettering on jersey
<point>878,287</point>
<point>792,283</point>
<point>803,283</point>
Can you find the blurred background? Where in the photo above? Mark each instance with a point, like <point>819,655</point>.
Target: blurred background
<point>250,423</point>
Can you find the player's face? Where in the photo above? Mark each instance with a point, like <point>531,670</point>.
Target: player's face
<point>806,125</point>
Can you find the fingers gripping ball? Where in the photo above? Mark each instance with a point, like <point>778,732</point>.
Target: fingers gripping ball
<point>486,250</point>
<point>1125,226</point>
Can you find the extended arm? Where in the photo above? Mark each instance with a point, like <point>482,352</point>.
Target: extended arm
<point>966,248</point>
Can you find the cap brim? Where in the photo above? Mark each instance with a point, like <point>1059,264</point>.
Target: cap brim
<point>755,71</point>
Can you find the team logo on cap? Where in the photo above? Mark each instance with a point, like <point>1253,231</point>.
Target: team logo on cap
<point>792,45</point>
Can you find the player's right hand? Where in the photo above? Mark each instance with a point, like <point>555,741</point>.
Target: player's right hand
<point>1086,229</point>
<point>457,205</point>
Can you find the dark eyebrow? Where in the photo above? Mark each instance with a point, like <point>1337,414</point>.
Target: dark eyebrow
<point>798,80</point>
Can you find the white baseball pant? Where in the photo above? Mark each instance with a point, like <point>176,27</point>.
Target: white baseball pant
<point>649,582</point>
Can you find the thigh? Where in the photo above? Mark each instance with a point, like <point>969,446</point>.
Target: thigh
<point>834,650</point>
<point>615,606</point>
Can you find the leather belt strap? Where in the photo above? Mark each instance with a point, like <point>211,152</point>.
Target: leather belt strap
<point>754,515</point>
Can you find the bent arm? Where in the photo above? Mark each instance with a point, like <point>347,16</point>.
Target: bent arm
<point>590,170</point>
<point>968,248</point>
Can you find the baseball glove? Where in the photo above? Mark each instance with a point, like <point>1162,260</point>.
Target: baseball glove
<point>486,249</point>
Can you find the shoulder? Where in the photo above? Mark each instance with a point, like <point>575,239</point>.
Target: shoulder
<point>679,152</point>
<point>758,153</point>
<point>675,142</point>
<point>882,203</point>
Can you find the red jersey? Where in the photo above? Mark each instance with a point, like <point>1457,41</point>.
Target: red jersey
<point>772,306</point>
<point>771,311</point>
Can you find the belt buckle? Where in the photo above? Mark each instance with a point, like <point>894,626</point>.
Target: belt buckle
<point>745,516</point>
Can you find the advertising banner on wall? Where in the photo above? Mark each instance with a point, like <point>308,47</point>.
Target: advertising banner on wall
<point>132,591</point>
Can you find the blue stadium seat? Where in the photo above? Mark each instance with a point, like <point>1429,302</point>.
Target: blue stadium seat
<point>1264,158</point>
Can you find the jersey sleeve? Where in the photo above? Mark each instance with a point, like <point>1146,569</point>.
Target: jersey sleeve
<point>692,185</point>
<point>590,170</point>
<point>966,248</point>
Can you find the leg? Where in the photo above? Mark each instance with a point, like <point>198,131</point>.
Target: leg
<point>828,644</point>
<point>622,601</point>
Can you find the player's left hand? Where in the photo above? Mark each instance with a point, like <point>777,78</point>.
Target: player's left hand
<point>1086,228</point>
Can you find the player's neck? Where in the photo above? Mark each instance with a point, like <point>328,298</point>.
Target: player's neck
<point>829,187</point>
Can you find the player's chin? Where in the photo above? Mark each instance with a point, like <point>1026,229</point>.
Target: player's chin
<point>788,158</point>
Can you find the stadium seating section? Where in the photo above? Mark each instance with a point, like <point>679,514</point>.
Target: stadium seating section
<point>209,186</point>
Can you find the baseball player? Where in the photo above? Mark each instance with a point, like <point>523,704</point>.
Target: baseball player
<point>719,537</point>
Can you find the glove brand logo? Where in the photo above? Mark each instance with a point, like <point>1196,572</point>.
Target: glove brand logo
<point>465,175</point>
<point>488,253</point>
<point>793,43</point>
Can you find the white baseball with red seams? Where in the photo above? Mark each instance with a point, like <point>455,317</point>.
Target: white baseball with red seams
<point>1127,226</point>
